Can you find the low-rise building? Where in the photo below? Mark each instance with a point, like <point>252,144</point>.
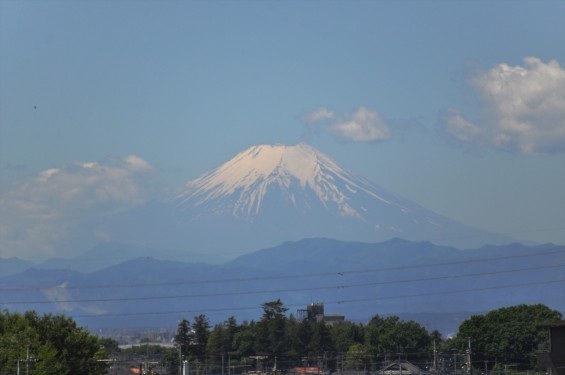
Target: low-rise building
<point>400,368</point>
<point>314,313</point>
<point>551,357</point>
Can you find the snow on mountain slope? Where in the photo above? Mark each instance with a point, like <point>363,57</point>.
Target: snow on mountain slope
<point>291,192</point>
<point>270,194</point>
<point>249,175</point>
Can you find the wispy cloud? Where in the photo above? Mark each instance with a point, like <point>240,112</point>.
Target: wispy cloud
<point>319,114</point>
<point>46,209</point>
<point>363,125</point>
<point>458,127</point>
<point>524,109</point>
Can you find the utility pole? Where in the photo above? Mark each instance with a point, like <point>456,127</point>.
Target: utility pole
<point>468,358</point>
<point>435,356</point>
<point>443,365</point>
<point>180,359</point>
<point>28,360</point>
<point>275,365</point>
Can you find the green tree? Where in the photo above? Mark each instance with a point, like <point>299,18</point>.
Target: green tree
<point>244,340</point>
<point>346,334</point>
<point>357,357</point>
<point>299,334</point>
<point>217,342</point>
<point>231,330</point>
<point>506,335</point>
<point>182,337</point>
<point>436,338</point>
<point>199,337</point>
<point>110,345</point>
<point>170,360</point>
<point>49,363</point>
<point>321,345</point>
<point>55,343</point>
<point>220,342</point>
<point>273,310</point>
<point>321,340</point>
<point>386,336</point>
<point>270,337</point>
<point>16,336</point>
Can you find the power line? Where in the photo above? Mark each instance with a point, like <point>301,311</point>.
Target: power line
<point>283,277</point>
<point>377,298</point>
<point>285,290</point>
<point>451,291</point>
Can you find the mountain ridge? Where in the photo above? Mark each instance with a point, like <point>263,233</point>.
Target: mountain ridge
<point>294,192</point>
<point>267,195</point>
<point>355,279</point>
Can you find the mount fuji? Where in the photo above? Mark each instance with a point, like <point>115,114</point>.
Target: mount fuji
<point>269,194</point>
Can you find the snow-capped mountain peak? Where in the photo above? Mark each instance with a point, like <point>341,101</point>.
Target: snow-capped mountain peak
<point>269,194</point>
<point>295,170</point>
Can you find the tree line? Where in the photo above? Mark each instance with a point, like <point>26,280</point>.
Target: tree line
<point>504,336</point>
<point>277,342</point>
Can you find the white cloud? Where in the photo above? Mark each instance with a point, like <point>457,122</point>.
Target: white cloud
<point>319,114</point>
<point>459,128</point>
<point>42,211</point>
<point>46,175</point>
<point>137,163</point>
<point>363,125</point>
<point>524,108</point>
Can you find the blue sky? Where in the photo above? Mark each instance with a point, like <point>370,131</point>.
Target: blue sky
<point>458,106</point>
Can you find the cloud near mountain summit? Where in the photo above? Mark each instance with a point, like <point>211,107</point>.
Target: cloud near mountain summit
<point>363,125</point>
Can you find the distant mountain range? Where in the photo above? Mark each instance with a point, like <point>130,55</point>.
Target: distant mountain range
<point>327,236</point>
<point>439,285</point>
<point>269,194</point>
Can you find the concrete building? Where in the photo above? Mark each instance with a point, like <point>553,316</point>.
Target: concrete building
<point>314,313</point>
<point>551,357</point>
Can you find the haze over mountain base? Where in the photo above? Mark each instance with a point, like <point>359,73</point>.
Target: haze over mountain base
<point>270,194</point>
<point>370,252</point>
<point>440,285</point>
